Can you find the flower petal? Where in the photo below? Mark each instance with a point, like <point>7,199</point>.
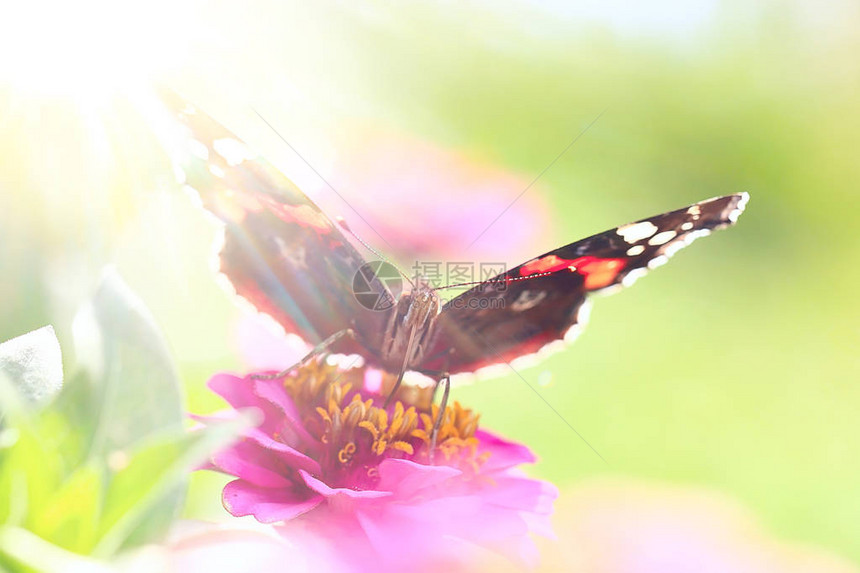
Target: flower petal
<point>406,478</point>
<point>267,505</point>
<point>469,518</point>
<point>521,493</point>
<point>273,392</point>
<point>289,455</point>
<point>261,464</point>
<point>253,464</point>
<point>210,548</point>
<point>340,494</point>
<point>503,453</point>
<point>238,392</point>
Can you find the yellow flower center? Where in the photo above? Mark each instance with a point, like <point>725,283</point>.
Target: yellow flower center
<point>356,436</point>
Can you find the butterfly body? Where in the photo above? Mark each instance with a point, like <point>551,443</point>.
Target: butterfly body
<point>290,261</point>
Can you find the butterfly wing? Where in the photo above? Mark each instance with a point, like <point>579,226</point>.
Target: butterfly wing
<point>280,252</point>
<point>532,307</point>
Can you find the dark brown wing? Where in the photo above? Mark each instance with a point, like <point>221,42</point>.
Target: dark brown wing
<point>280,251</point>
<point>534,306</point>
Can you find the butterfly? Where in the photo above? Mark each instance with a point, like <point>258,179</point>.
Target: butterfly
<point>292,262</point>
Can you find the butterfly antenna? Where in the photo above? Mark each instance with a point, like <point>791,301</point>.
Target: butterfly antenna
<point>496,280</point>
<point>342,222</point>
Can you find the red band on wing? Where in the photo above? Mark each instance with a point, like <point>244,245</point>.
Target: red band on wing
<point>304,215</point>
<point>597,272</point>
<point>547,264</point>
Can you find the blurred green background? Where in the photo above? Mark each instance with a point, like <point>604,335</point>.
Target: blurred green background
<point>735,368</point>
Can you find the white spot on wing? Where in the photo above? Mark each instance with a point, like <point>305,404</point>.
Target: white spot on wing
<point>572,333</point>
<point>584,313</point>
<point>635,250</point>
<point>492,371</point>
<point>179,173</point>
<point>198,149</point>
<point>216,171</point>
<point>552,348</point>
<point>686,226</point>
<point>606,291</point>
<point>528,299</point>
<point>633,276</point>
<point>658,261</point>
<point>637,231</point>
<point>233,151</point>
<point>412,378</point>
<point>662,238</point>
<point>463,378</point>
<point>525,361</point>
<point>674,248</point>
<point>742,204</point>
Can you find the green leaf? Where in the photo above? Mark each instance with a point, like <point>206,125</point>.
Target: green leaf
<point>70,514</point>
<point>30,470</point>
<point>22,550</point>
<point>33,363</point>
<point>128,389</point>
<point>106,468</point>
<point>65,470</point>
<point>11,401</point>
<point>150,478</point>
<point>134,388</point>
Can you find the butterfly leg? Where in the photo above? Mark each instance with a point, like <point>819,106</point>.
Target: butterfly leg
<point>402,369</point>
<point>437,423</point>
<point>316,351</point>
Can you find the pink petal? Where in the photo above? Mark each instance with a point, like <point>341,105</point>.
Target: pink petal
<point>286,454</point>
<point>521,493</point>
<point>539,524</point>
<point>398,542</point>
<point>273,392</point>
<point>267,505</point>
<point>406,478</point>
<point>262,461</point>
<point>211,549</point>
<point>421,533</point>
<point>238,392</point>
<point>252,463</point>
<point>498,529</point>
<point>416,531</point>
<point>341,494</point>
<point>503,453</point>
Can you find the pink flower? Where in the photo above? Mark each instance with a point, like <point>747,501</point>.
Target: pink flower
<point>620,526</point>
<point>430,202</point>
<point>361,476</point>
<point>212,548</point>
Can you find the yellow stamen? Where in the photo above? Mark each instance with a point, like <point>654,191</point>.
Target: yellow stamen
<point>345,454</point>
<point>360,435</point>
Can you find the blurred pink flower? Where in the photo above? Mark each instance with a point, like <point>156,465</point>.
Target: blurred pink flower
<point>619,527</point>
<point>212,548</point>
<point>429,202</point>
<point>361,476</point>
<point>264,345</point>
